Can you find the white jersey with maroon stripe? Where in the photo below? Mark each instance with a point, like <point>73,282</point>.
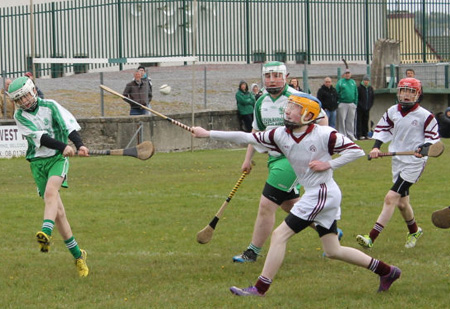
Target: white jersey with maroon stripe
<point>321,201</point>
<point>406,131</point>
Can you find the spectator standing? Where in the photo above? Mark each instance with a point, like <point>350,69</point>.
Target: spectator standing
<point>5,99</point>
<point>294,84</point>
<point>443,119</point>
<point>365,103</point>
<point>47,127</point>
<point>256,91</point>
<point>245,101</point>
<point>137,90</point>
<point>147,83</point>
<point>39,91</point>
<point>328,96</point>
<point>347,100</point>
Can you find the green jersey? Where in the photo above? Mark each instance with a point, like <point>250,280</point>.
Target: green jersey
<point>50,118</point>
<point>269,112</point>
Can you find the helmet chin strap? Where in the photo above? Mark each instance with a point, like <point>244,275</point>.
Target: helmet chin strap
<point>275,90</point>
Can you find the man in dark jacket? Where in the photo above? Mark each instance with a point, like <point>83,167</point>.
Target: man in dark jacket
<point>328,96</point>
<point>137,90</point>
<point>365,102</point>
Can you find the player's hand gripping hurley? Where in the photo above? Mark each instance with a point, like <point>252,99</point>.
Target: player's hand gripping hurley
<point>434,150</point>
<point>187,128</point>
<point>205,235</point>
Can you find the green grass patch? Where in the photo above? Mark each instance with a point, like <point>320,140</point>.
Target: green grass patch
<point>138,221</point>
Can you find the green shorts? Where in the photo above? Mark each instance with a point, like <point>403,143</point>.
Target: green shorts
<point>281,174</point>
<point>42,169</point>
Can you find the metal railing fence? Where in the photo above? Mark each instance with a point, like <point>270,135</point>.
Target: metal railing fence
<point>228,31</point>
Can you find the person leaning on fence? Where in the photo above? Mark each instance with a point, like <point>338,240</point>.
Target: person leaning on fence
<point>408,127</point>
<point>245,101</point>
<point>410,73</point>
<point>47,127</point>
<point>137,91</point>
<point>328,96</point>
<point>310,149</point>
<point>347,101</point>
<point>10,108</point>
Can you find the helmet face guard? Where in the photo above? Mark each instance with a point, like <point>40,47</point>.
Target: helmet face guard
<point>274,77</point>
<point>408,92</point>
<point>23,93</point>
<point>310,108</point>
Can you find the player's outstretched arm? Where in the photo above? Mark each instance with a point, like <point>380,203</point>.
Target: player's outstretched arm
<point>199,132</point>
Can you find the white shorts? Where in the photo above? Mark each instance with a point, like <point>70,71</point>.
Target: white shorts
<point>321,204</point>
<point>408,171</point>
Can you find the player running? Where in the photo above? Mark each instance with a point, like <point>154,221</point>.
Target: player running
<point>281,187</point>
<point>47,127</point>
<point>408,126</point>
<point>309,149</point>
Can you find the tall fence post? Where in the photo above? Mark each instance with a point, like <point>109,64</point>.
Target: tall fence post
<point>119,26</point>
<point>247,17</point>
<point>4,94</point>
<point>204,86</point>
<point>102,97</point>
<point>446,77</point>
<point>308,32</point>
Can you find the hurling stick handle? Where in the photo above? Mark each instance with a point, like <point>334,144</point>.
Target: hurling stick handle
<point>230,196</point>
<point>99,152</point>
<point>147,108</point>
<point>394,153</point>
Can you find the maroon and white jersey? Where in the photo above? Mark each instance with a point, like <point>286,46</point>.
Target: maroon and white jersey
<point>321,202</point>
<point>316,143</point>
<point>406,131</point>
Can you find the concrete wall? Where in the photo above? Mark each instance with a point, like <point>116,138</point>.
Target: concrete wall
<point>112,133</point>
<point>433,102</point>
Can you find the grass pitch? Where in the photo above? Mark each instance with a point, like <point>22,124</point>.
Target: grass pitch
<point>138,221</point>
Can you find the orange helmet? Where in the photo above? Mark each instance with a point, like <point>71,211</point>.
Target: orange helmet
<point>408,91</point>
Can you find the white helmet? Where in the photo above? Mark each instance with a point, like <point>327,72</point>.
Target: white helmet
<point>274,86</point>
<point>19,88</point>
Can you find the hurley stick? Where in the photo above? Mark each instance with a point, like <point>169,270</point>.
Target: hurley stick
<point>147,108</point>
<point>205,235</point>
<point>142,151</point>
<point>434,150</point>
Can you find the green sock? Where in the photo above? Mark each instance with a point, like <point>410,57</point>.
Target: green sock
<point>47,227</point>
<point>255,249</point>
<point>72,245</point>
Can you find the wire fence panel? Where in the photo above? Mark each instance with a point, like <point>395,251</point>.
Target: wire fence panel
<point>243,31</point>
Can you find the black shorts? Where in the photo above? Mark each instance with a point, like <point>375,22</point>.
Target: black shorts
<point>401,187</point>
<point>278,196</point>
<point>298,225</point>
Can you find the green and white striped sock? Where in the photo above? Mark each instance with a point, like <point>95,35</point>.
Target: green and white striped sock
<point>47,227</point>
<point>255,249</point>
<point>72,245</point>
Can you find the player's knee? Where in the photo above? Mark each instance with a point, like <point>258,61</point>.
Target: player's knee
<point>391,199</point>
<point>332,253</point>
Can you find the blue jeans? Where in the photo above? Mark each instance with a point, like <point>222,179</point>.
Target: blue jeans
<point>138,112</point>
<point>331,118</point>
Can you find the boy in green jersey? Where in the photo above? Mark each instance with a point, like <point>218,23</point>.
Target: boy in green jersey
<point>48,126</point>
